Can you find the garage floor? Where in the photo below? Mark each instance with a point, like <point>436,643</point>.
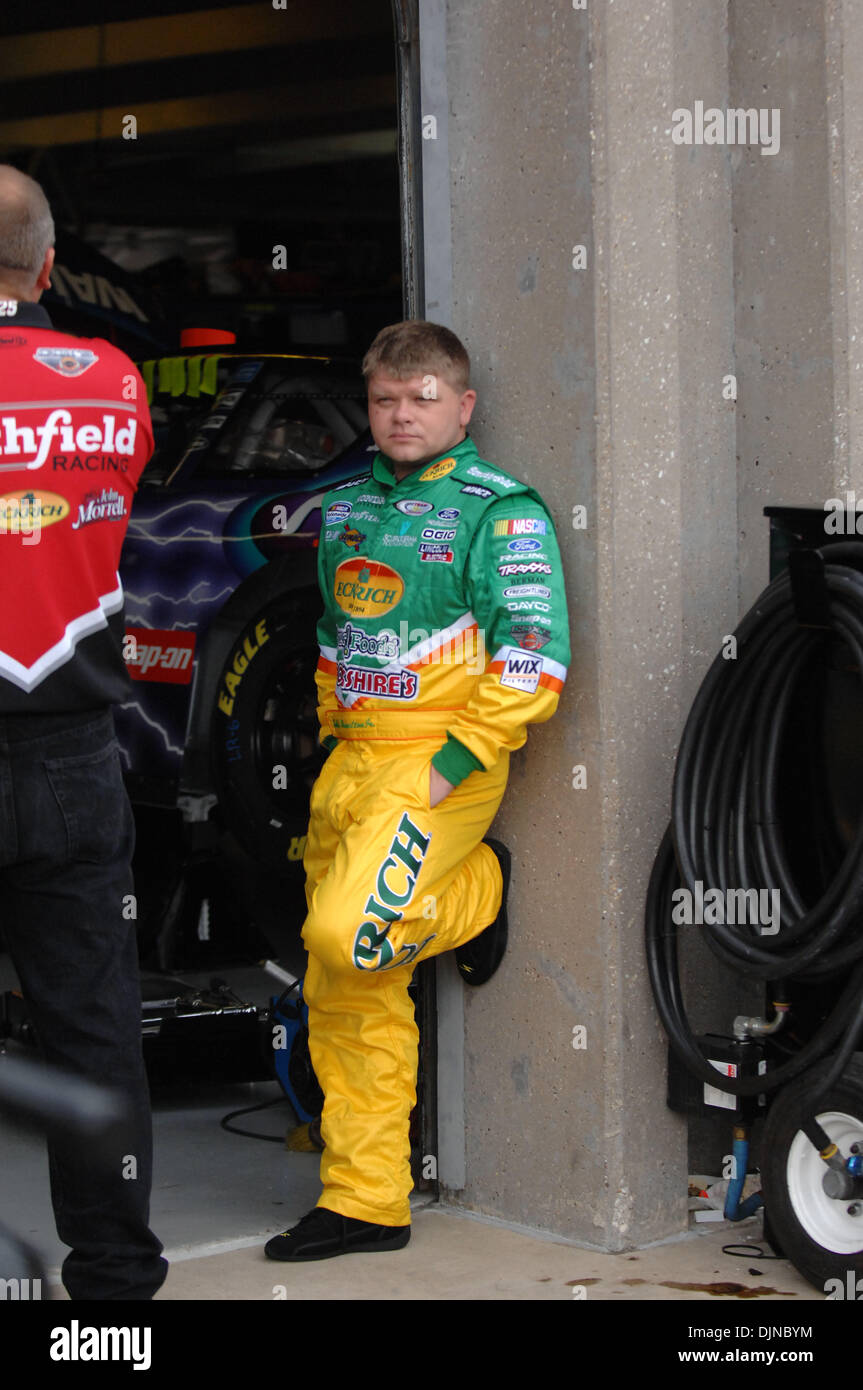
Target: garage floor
<point>217,1197</point>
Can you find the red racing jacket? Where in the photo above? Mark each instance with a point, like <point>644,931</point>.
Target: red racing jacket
<point>75,435</point>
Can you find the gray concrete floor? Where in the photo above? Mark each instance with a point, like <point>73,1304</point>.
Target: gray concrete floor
<point>454,1256</point>
<point>457,1256</point>
<point>217,1197</point>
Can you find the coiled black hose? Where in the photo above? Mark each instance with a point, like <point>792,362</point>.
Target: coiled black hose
<point>725,828</point>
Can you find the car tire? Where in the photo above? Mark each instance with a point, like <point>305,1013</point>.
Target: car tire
<point>265,749</point>
<point>816,1232</point>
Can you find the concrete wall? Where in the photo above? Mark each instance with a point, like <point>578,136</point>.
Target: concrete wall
<point>604,388</point>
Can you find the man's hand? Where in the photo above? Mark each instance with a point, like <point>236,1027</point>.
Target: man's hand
<point>439,787</point>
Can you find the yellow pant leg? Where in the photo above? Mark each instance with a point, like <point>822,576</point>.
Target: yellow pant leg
<point>389,880</point>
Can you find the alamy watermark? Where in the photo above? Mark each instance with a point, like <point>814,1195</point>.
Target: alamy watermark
<point>734,126</point>
<point>716,907</point>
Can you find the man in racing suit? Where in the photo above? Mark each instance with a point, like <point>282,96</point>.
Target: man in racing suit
<point>444,634</point>
<point>75,435</point>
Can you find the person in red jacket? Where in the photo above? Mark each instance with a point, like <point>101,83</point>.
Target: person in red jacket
<point>75,435</point>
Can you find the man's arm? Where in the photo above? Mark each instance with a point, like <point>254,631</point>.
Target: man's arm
<point>325,674</point>
<point>517,596</point>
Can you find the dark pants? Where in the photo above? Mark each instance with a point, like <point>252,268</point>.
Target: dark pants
<point>66,840</point>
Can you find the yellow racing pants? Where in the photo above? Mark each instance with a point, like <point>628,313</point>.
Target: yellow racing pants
<point>389,881</point>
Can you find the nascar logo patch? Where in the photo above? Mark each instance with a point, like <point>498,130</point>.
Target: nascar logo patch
<point>66,361</point>
<point>520,526</point>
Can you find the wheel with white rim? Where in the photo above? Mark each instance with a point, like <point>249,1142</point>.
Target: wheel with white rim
<point>821,1235</point>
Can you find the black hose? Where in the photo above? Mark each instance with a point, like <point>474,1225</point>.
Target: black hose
<point>725,829</point>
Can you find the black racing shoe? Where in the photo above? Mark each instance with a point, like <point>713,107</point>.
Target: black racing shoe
<point>321,1234</point>
<point>477,960</point>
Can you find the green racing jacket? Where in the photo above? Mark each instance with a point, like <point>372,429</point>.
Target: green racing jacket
<point>444,610</point>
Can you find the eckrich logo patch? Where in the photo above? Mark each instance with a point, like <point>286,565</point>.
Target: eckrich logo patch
<point>521,526</point>
<point>411,507</point>
<point>394,887</point>
<point>522,672</point>
<point>66,361</point>
<point>367,588</point>
<point>437,470</point>
<point>106,505</point>
<point>338,511</point>
<point>29,508</point>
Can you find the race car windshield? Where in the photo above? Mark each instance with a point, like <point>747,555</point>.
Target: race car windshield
<point>278,433</point>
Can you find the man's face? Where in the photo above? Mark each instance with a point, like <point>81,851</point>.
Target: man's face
<point>416,420</point>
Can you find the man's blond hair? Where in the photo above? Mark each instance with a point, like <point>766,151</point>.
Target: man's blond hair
<point>416,347</point>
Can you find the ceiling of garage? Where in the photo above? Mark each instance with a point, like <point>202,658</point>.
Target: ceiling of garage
<point>281,114</point>
<point>255,127</point>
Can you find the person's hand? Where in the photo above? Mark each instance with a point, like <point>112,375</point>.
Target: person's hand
<point>439,787</point>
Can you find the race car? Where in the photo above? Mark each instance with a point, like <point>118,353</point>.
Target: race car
<point>219,573</point>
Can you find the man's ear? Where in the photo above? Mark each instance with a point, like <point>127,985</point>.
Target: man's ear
<point>43,281</point>
<point>468,401</point>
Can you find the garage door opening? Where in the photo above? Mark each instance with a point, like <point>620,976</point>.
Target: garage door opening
<point>235,193</point>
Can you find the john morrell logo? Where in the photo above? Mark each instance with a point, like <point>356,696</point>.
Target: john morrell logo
<point>107,505</point>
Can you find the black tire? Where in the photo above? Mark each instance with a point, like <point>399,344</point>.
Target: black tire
<point>265,747</point>
<point>816,1233</point>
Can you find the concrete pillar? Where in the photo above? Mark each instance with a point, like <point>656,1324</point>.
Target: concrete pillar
<point>709,269</point>
<point>587,380</point>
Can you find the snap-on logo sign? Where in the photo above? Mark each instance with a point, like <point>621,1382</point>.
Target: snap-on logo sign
<point>159,654</point>
<point>367,588</point>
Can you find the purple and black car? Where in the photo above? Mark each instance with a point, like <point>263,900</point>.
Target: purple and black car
<point>219,572</point>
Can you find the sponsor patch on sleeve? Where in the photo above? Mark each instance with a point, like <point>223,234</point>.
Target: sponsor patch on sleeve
<point>521,526</point>
<point>530,635</point>
<point>521,671</point>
